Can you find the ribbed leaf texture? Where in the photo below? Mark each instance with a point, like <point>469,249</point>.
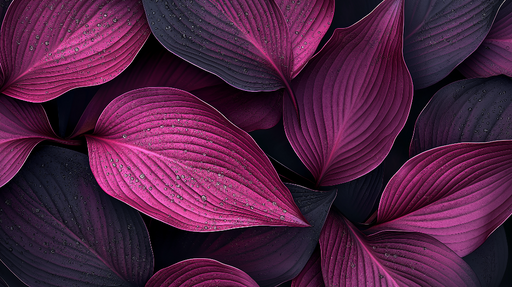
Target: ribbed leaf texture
<point>311,274</point>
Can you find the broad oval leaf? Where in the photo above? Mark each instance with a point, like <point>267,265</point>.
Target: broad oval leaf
<point>270,255</point>
<point>60,229</point>
<point>439,35</point>
<point>494,56</point>
<point>350,258</point>
<point>201,272</point>
<point>308,21</point>
<point>22,126</point>
<point>49,47</point>
<point>473,110</point>
<point>353,98</point>
<point>459,194</point>
<point>311,274</point>
<point>246,43</point>
<point>172,156</point>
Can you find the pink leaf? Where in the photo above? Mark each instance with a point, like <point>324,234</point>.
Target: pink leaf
<point>353,98</point>
<point>494,55</point>
<point>459,194</point>
<point>22,126</point>
<point>49,47</point>
<point>172,156</point>
<point>349,258</point>
<point>311,275</point>
<point>201,272</point>
<point>308,21</point>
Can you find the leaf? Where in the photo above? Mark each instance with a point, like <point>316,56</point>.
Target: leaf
<point>270,255</point>
<point>246,43</point>
<point>353,98</point>
<point>22,126</point>
<point>388,258</point>
<point>474,110</point>
<point>494,56</point>
<point>489,261</point>
<point>439,35</point>
<point>311,275</point>
<point>459,194</point>
<point>7,279</point>
<point>89,43</point>
<point>201,272</point>
<point>308,21</point>
<point>4,4</point>
<point>172,156</point>
<point>60,229</point>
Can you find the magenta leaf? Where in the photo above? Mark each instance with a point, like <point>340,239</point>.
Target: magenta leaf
<point>172,156</point>
<point>89,43</point>
<point>60,229</point>
<point>22,126</point>
<point>489,261</point>
<point>350,258</point>
<point>246,43</point>
<point>439,35</point>
<point>459,194</point>
<point>473,110</point>
<point>353,98</point>
<point>311,274</point>
<point>308,21</point>
<point>201,272</point>
<point>270,255</point>
<point>494,56</point>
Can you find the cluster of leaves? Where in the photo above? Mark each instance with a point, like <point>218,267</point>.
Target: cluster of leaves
<point>154,180</point>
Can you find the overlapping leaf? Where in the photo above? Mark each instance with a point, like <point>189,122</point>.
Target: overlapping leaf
<point>353,98</point>
<point>60,229</point>
<point>439,35</point>
<point>494,56</point>
<point>270,255</point>
<point>311,274</point>
<point>246,43</point>
<point>388,258</point>
<point>172,156</point>
<point>49,47</point>
<point>201,272</point>
<point>22,126</point>
<point>473,110</point>
<point>459,194</point>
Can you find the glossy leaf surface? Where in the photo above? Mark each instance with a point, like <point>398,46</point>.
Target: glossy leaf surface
<point>270,255</point>
<point>201,272</point>
<point>246,43</point>
<point>494,56</point>
<point>459,194</point>
<point>172,156</point>
<point>22,126</point>
<point>439,35</point>
<point>49,47</point>
<point>474,110</point>
<point>60,229</point>
<point>350,258</point>
<point>353,98</point>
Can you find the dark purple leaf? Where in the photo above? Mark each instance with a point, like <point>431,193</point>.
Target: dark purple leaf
<point>439,35</point>
<point>311,274</point>
<point>201,272</point>
<point>4,4</point>
<point>308,21</point>
<point>349,12</point>
<point>350,258</point>
<point>270,255</point>
<point>170,155</point>
<point>60,229</point>
<point>89,43</point>
<point>22,126</point>
<point>489,261</point>
<point>494,56</point>
<point>8,279</point>
<point>246,43</point>
<point>353,98</point>
<point>459,194</point>
<point>474,110</point>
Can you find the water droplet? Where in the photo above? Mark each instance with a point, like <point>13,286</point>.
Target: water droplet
<point>274,203</point>
<point>47,43</point>
<point>105,15</point>
<point>114,20</point>
<point>281,217</point>
<point>31,48</point>
<point>142,176</point>
<point>124,136</point>
<point>37,37</point>
<point>76,49</point>
<point>203,197</point>
<point>8,202</point>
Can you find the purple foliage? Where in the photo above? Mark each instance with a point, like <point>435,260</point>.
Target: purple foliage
<point>160,151</point>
